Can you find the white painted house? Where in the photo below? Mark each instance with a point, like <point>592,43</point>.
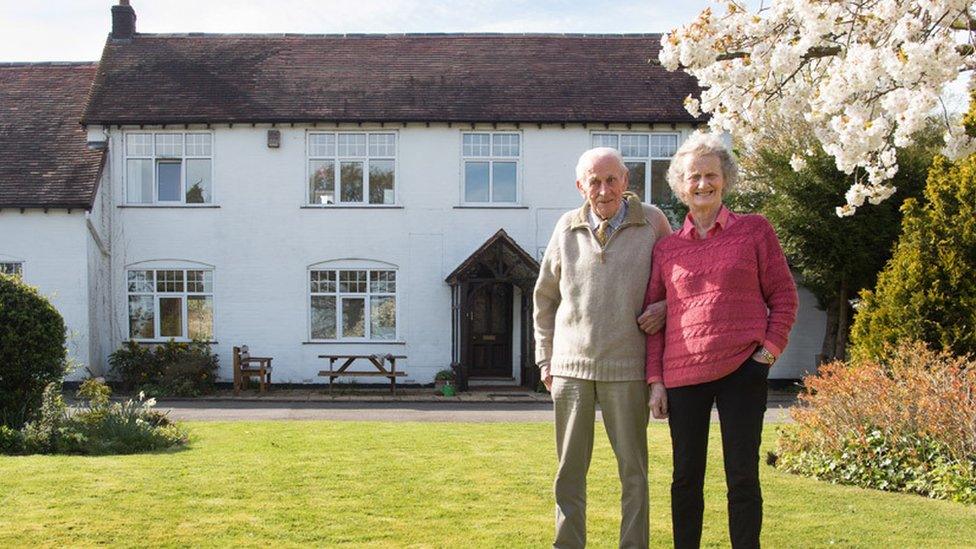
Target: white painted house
<point>356,194</point>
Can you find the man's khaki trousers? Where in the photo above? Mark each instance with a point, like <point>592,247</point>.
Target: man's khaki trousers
<point>625,414</point>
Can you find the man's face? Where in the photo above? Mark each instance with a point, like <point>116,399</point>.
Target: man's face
<point>603,185</point>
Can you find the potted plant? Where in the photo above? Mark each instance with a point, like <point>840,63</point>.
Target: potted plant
<point>443,378</point>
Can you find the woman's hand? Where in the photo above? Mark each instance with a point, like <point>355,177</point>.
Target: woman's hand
<point>658,401</point>
<point>652,319</point>
<point>762,356</point>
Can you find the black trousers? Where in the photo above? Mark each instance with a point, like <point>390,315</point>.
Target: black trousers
<point>741,400</point>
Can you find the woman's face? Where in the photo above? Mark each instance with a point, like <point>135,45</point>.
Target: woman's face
<point>703,182</point>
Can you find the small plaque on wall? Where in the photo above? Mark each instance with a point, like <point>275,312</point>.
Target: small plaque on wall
<point>274,139</point>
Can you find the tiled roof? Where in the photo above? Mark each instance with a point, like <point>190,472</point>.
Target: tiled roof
<point>194,78</point>
<point>44,158</point>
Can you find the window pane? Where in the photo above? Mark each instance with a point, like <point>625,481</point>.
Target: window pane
<point>476,144</point>
<point>140,281</point>
<point>138,144</point>
<point>15,269</point>
<point>321,144</point>
<point>353,282</point>
<point>664,145</point>
<point>382,282</point>
<point>199,317</point>
<point>351,181</point>
<point>381,182</point>
<point>170,316</point>
<point>505,145</point>
<point>198,144</point>
<point>169,281</point>
<point>382,144</point>
<point>660,190</point>
<point>323,317</point>
<point>199,281</point>
<point>199,182</point>
<point>633,145</point>
<point>353,317</point>
<point>168,181</point>
<point>321,182</point>
<point>352,144</point>
<point>605,140</point>
<point>637,177</point>
<point>504,182</point>
<point>141,316</point>
<point>323,282</point>
<point>476,182</point>
<point>169,144</point>
<point>382,317</point>
<point>138,181</point>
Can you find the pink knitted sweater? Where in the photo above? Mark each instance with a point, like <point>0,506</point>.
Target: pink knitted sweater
<point>727,294</point>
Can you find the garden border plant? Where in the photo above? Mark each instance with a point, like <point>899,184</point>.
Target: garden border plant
<point>904,424</point>
<point>99,427</point>
<point>166,369</point>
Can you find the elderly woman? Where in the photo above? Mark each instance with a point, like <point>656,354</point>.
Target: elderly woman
<point>731,302</point>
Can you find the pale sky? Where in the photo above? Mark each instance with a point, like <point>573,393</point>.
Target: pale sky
<point>75,30</point>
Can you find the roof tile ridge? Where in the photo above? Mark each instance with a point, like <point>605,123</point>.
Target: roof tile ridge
<point>448,34</point>
<point>9,64</point>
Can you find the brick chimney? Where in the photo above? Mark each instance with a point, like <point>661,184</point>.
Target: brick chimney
<point>123,21</point>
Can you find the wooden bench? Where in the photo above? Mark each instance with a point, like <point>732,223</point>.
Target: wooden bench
<point>252,366</point>
<point>378,362</point>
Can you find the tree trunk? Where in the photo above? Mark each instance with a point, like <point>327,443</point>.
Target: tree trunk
<point>830,335</point>
<point>843,322</point>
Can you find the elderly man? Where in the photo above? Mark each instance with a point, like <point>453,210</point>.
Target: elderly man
<point>590,338</point>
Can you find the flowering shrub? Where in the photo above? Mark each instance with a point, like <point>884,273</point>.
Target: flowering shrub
<point>864,74</point>
<point>170,369</point>
<point>906,424</point>
<point>100,426</point>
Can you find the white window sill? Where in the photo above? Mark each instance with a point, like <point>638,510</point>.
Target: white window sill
<point>490,207</point>
<point>165,206</point>
<point>356,342</point>
<point>352,207</point>
<point>162,341</point>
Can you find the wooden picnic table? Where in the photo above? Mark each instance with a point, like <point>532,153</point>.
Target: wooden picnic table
<point>378,362</point>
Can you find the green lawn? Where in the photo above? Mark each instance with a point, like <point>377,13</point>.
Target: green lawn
<point>409,484</point>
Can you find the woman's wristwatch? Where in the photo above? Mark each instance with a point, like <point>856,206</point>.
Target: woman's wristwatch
<point>767,357</point>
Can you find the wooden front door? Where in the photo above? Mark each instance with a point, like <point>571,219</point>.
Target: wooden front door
<point>490,333</point>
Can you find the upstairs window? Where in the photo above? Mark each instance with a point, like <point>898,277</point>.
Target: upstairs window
<point>170,303</point>
<point>168,168</point>
<point>647,157</point>
<point>14,268</point>
<point>351,168</point>
<point>491,167</point>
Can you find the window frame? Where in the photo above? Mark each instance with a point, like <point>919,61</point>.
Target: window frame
<point>366,296</point>
<point>183,295</point>
<point>19,268</point>
<point>491,159</point>
<point>647,160</point>
<point>337,160</point>
<point>158,159</point>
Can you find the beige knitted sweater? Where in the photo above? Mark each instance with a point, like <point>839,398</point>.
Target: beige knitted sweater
<point>588,297</point>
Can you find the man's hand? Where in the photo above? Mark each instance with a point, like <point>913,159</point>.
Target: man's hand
<point>546,376</point>
<point>652,319</point>
<point>658,401</point>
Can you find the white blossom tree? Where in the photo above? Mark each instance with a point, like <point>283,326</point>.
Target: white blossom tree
<point>864,74</point>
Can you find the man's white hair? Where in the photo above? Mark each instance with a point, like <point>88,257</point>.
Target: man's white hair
<point>588,158</point>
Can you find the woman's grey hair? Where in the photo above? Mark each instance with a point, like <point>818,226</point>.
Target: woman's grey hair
<point>697,145</point>
<point>586,159</point>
